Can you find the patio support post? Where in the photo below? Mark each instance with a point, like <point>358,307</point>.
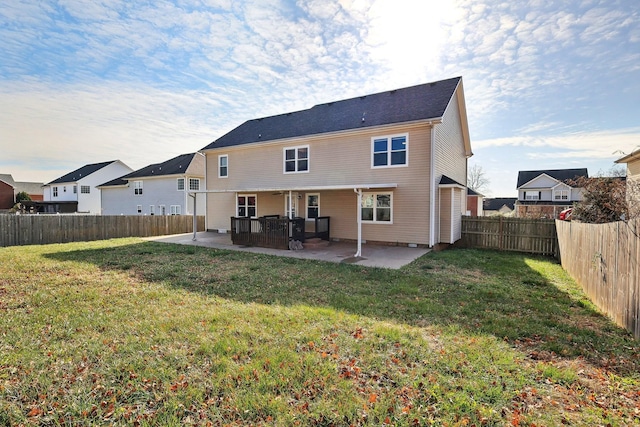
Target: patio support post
<point>195,217</point>
<point>290,207</point>
<point>358,191</point>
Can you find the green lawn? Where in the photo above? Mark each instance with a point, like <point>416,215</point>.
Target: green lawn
<point>138,333</point>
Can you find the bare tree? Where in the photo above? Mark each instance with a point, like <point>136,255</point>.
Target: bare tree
<point>477,179</point>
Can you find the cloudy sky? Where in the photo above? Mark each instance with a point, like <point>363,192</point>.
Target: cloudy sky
<point>548,84</point>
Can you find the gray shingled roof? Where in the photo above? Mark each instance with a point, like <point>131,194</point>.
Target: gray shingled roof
<point>496,203</point>
<point>422,102</point>
<point>560,174</point>
<point>176,166</point>
<point>8,179</point>
<point>78,174</point>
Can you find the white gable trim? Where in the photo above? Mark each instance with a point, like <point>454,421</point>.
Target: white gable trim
<point>528,184</point>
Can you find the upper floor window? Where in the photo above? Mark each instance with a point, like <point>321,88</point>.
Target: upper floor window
<point>532,195</point>
<point>389,150</point>
<point>180,184</point>
<point>296,159</point>
<point>85,189</point>
<point>194,184</point>
<point>561,195</point>
<point>223,166</point>
<point>75,189</point>
<point>377,207</point>
<point>55,191</point>
<point>137,188</point>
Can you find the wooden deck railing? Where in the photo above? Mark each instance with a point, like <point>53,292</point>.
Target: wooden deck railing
<point>271,231</point>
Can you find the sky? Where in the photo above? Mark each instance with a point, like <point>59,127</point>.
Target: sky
<point>548,84</point>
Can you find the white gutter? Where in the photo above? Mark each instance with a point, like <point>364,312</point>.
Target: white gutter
<point>302,189</point>
<point>358,191</point>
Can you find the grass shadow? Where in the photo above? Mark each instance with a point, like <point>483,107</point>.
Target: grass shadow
<point>522,299</point>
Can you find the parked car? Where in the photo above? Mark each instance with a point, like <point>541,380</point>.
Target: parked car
<point>565,215</point>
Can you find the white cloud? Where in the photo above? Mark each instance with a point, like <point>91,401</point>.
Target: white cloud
<point>596,144</point>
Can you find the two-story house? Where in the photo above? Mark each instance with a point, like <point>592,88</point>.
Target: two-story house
<point>77,189</point>
<point>388,167</point>
<point>158,189</point>
<point>545,193</point>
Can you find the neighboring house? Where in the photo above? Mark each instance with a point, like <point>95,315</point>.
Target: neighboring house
<point>157,189</point>
<point>545,193</point>
<point>9,189</point>
<point>633,176</point>
<point>474,203</point>
<point>79,187</point>
<point>499,206</point>
<point>386,167</point>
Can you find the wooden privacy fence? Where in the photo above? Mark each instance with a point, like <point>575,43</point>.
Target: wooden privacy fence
<point>603,259</point>
<point>18,230</point>
<point>537,236</point>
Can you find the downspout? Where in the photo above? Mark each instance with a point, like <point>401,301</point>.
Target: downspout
<point>432,190</point>
<point>358,191</point>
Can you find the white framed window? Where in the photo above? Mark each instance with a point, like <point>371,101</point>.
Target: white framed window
<point>85,189</point>
<point>313,206</point>
<point>296,159</point>
<point>163,210</point>
<point>377,207</point>
<point>194,184</point>
<point>561,195</point>
<point>390,151</point>
<point>223,166</point>
<point>152,210</point>
<point>532,195</point>
<point>54,191</point>
<point>176,210</point>
<point>75,189</point>
<point>64,189</point>
<point>137,188</point>
<point>247,205</point>
<point>180,184</point>
<point>139,209</point>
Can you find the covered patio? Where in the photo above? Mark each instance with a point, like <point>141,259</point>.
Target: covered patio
<point>393,257</point>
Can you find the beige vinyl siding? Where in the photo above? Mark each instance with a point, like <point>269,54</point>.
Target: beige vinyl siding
<point>445,215</point>
<point>456,219</point>
<point>449,152</point>
<point>633,169</point>
<point>340,159</point>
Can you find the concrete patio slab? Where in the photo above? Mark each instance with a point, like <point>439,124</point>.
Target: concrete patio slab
<point>393,257</point>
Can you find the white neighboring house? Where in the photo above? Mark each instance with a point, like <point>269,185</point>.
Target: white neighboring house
<point>157,189</point>
<point>545,193</point>
<point>80,185</point>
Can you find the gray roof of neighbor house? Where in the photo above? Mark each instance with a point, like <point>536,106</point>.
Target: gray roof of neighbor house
<point>421,102</point>
<point>8,179</point>
<point>175,166</point>
<point>560,174</point>
<point>496,203</point>
<point>78,174</point>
